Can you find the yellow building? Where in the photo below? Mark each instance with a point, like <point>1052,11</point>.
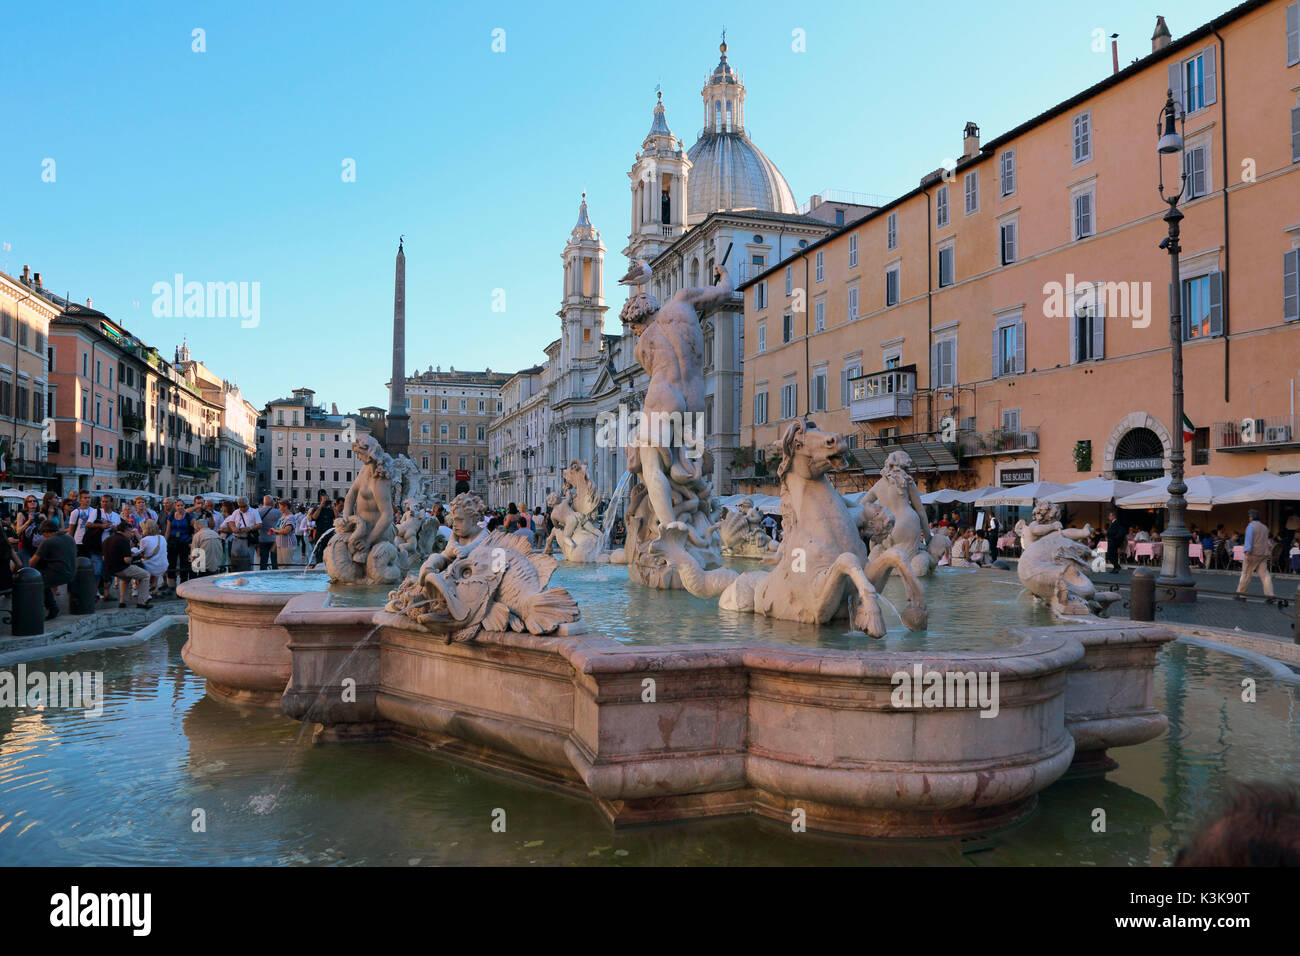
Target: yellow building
<point>1008,320</point>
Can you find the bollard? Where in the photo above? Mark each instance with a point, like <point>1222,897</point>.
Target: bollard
<point>1142,595</point>
<point>81,589</point>
<point>28,614</point>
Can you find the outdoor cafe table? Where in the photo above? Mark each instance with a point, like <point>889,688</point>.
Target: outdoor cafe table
<point>1145,549</point>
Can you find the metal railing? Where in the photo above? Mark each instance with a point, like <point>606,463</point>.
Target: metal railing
<point>1256,432</point>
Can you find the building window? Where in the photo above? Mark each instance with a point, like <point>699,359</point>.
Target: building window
<point>853,303</point>
<point>819,311</point>
<point>760,408</point>
<point>1291,286</point>
<point>941,206</point>
<point>851,371</point>
<point>1007,242</point>
<point>1293,34</point>
<point>839,217</point>
<point>819,391</point>
<point>789,279</point>
<point>1082,138</point>
<point>945,266</point>
<point>1009,347</point>
<point>972,189</point>
<point>760,295</point>
<point>820,264</point>
<point>891,231</point>
<point>853,251</point>
<point>1202,306</point>
<point>1087,331</point>
<point>787,328</point>
<point>1201,446</point>
<point>943,363</point>
<point>1084,214</point>
<point>789,397</point>
<point>1196,168</point>
<point>891,286</point>
<point>1007,167</point>
<point>762,338</point>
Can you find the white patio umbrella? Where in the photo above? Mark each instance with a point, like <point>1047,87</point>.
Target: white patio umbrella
<point>16,495</point>
<point>1021,496</point>
<point>1266,489</point>
<point>1203,493</point>
<point>976,495</point>
<point>1096,490</point>
<point>944,496</point>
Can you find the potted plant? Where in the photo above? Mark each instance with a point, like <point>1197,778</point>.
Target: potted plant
<point>1083,456</point>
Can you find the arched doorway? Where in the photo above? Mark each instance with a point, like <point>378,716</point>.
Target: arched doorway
<point>1139,455</point>
<point>1137,449</point>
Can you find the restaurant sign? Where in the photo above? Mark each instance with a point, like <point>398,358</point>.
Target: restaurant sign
<point>1011,477</point>
<point>1139,464</point>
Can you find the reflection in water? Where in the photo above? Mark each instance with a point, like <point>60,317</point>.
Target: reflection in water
<point>123,788</point>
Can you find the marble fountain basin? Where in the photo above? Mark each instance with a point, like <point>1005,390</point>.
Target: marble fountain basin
<point>813,736</point>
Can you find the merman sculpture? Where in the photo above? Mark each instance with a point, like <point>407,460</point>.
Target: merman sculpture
<point>897,492</point>
<point>741,530</point>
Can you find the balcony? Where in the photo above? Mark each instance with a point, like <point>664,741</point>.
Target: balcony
<point>1256,434</point>
<point>882,395</point>
<point>132,423</point>
<point>999,442</point>
<point>136,466</point>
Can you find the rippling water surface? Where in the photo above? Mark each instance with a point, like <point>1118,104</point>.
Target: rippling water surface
<point>126,787</point>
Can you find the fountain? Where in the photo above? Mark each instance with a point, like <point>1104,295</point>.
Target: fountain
<point>481,654</point>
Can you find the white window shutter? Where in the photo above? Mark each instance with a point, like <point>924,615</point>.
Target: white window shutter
<point>1210,75</point>
<point>1295,135</point>
<point>1020,346</point>
<point>936,365</point>
<point>1216,303</point>
<point>1075,319</point>
<point>997,352</point>
<point>844,388</point>
<point>1293,34</point>
<point>950,365</point>
<point>1099,331</point>
<point>1291,286</point>
<point>1176,82</point>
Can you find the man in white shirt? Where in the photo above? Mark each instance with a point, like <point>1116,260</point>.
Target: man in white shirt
<point>243,525</point>
<point>1256,558</point>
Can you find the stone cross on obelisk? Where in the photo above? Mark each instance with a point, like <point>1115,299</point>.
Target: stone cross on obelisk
<point>397,441</point>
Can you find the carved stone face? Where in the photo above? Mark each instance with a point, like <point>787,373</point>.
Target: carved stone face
<point>576,474</point>
<point>459,596</point>
<point>464,514</point>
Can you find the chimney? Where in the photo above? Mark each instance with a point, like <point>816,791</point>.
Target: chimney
<point>36,277</point>
<point>970,144</point>
<point>814,201</point>
<point>27,275</point>
<point>90,303</point>
<point>1161,38</point>
<point>1114,53</point>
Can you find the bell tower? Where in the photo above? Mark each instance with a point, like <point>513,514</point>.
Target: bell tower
<point>582,312</point>
<point>658,180</point>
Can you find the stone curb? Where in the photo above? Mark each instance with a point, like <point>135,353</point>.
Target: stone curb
<point>77,634</point>
<point>1262,644</point>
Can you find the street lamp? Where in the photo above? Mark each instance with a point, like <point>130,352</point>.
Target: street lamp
<point>1175,572</point>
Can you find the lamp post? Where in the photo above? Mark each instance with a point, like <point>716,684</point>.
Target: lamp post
<point>1175,572</point>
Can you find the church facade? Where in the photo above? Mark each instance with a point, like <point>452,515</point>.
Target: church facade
<point>722,201</point>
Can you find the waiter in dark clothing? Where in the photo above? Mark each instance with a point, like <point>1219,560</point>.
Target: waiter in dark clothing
<point>1116,538</point>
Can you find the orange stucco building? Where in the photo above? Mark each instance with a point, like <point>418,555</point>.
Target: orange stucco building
<point>1008,320</point>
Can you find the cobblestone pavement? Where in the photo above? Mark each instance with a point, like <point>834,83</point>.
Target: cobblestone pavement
<point>1221,610</point>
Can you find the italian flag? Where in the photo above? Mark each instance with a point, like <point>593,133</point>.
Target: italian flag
<point>1189,430</point>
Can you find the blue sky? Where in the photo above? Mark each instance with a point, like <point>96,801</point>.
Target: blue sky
<point>226,165</point>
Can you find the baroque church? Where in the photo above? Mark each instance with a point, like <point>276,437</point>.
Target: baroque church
<point>721,201</point>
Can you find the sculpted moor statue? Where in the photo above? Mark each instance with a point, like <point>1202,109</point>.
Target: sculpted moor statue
<point>742,531</point>
<point>362,547</point>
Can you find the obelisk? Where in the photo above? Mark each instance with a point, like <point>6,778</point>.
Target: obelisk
<point>398,439</point>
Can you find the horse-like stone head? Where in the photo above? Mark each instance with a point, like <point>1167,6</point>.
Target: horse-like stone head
<point>809,452</point>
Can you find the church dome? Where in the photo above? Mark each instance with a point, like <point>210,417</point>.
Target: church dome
<point>727,170</point>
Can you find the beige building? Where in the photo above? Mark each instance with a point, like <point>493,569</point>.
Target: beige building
<point>302,449</point>
<point>450,415</point>
<point>25,394</point>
